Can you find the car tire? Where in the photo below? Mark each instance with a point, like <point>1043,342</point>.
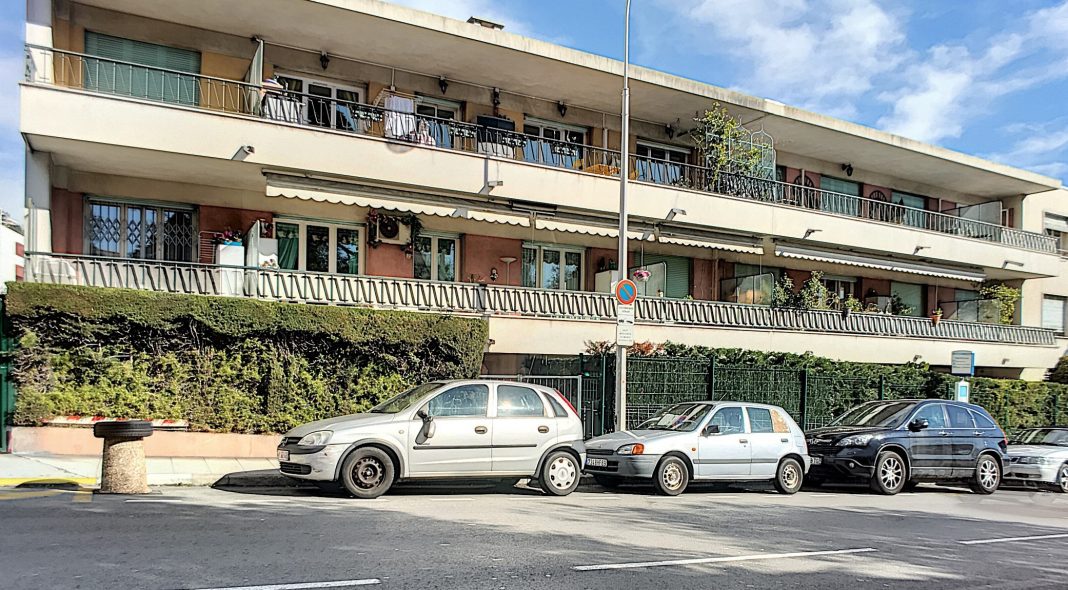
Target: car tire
<point>671,476</point>
<point>122,429</point>
<point>987,476</point>
<point>607,481</point>
<point>890,474</point>
<point>560,474</point>
<point>911,485</point>
<point>368,473</point>
<point>789,477</point>
<point>1061,485</point>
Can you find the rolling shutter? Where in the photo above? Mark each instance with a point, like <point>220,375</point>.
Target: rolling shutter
<point>147,82</point>
<point>1053,313</point>
<point>677,281</point>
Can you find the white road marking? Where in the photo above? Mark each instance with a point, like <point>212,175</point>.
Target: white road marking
<point>451,499</point>
<point>730,559</point>
<point>305,585</point>
<point>136,501</point>
<point>1015,539</point>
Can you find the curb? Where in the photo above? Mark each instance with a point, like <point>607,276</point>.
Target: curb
<point>45,482</point>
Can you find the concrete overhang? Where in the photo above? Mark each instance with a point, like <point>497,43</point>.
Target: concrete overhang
<point>422,42</point>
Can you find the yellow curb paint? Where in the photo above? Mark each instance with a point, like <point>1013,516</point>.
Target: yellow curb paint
<point>17,481</point>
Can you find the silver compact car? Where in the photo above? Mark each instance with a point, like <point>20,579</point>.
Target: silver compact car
<point>704,441</point>
<point>444,429</point>
<point>1039,456</point>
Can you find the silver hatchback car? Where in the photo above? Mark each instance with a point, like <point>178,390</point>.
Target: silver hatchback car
<point>704,441</point>
<point>445,429</point>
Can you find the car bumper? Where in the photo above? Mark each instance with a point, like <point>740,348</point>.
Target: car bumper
<point>310,463</point>
<point>847,464</point>
<point>1023,473</point>
<point>641,466</point>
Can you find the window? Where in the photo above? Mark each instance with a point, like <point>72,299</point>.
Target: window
<point>841,287</point>
<point>934,415</point>
<point>132,230</point>
<point>318,247</point>
<point>558,408</point>
<point>553,143</point>
<point>513,400</point>
<point>1057,226</point>
<point>671,274</point>
<point>149,82</point>
<point>435,257</point>
<point>659,163</point>
<point>1053,312</point>
<point>324,104</point>
<point>729,421</point>
<point>959,417</point>
<point>911,296</point>
<point>842,201</point>
<point>550,267</point>
<point>465,400</point>
<point>982,421</point>
<point>914,205</point>
<point>760,420</point>
<point>753,290</point>
<point>438,111</point>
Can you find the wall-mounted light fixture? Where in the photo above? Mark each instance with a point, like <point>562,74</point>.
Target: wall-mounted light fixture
<point>1011,263</point>
<point>443,84</point>
<point>809,232</point>
<point>243,152</point>
<point>919,249</point>
<point>496,97</point>
<point>324,59</point>
<point>560,106</point>
<point>848,169</point>
<point>669,130</point>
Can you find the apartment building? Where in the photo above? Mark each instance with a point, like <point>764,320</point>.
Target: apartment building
<point>353,152</point>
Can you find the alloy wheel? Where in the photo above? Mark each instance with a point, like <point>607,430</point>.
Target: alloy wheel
<point>1062,479</point>
<point>368,472</point>
<point>988,474</point>
<point>891,472</point>
<point>672,477</point>
<point>562,473</point>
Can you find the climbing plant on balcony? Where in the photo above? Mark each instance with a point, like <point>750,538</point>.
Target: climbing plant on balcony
<point>724,145</point>
<point>1004,295</point>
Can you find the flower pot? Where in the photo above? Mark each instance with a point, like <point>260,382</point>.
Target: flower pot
<point>935,319</point>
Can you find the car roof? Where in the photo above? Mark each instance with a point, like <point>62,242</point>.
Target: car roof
<point>492,382</point>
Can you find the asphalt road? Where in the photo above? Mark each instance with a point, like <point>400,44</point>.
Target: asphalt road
<point>185,538</point>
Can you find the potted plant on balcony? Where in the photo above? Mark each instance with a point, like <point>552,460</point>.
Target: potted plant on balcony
<point>641,275</point>
<point>936,315</point>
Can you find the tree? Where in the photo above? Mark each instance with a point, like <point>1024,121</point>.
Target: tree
<point>724,145</point>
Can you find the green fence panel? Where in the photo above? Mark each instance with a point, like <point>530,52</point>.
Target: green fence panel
<point>7,388</point>
<point>653,383</point>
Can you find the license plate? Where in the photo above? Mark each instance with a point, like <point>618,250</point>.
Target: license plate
<point>817,460</point>
<point>283,455</point>
<point>597,462</point>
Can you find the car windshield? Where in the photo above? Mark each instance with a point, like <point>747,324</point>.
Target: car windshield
<point>1053,437</point>
<point>876,415</point>
<point>403,401</point>
<point>680,418</point>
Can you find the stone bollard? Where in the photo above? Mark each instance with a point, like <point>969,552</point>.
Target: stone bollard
<point>123,466</point>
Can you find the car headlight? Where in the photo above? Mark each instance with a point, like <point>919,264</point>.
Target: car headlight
<point>315,439</point>
<point>1037,460</point>
<point>631,449</point>
<point>857,440</point>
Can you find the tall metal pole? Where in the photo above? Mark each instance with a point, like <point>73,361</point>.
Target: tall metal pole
<point>624,172</point>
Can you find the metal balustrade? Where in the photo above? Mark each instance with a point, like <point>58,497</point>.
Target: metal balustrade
<point>118,78</point>
<point>485,300</point>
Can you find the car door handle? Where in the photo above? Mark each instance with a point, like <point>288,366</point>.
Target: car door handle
<point>543,429</point>
<point>977,433</point>
<point>481,430</point>
<point>786,440</point>
<point>943,433</point>
<point>743,440</point>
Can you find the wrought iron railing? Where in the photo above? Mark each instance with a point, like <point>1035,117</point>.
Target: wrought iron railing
<point>476,299</point>
<point>76,70</point>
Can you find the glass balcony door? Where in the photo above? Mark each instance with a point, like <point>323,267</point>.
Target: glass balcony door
<point>552,143</point>
<point>435,112</point>
<point>323,104</point>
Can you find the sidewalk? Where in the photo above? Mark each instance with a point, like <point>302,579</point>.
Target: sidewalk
<point>20,468</point>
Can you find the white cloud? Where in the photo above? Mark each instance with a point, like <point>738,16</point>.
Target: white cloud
<point>1042,148</point>
<point>463,9</point>
<point>818,54</point>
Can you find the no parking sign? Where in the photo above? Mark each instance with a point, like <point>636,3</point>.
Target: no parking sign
<point>626,293</point>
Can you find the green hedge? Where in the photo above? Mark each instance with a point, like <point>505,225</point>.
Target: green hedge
<point>224,364</point>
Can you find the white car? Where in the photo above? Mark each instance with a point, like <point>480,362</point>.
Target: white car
<point>445,429</point>
<point>704,441</point>
<point>1039,456</point>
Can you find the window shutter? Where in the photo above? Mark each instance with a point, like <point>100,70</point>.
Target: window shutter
<point>677,282</point>
<point>1053,313</point>
<point>142,82</point>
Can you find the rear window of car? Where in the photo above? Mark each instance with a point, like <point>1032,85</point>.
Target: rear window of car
<point>760,420</point>
<point>558,408</point>
<point>982,420</point>
<point>513,401</point>
<point>959,417</point>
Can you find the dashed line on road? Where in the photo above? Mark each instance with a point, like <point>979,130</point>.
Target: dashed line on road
<point>1014,539</point>
<point>305,585</point>
<point>729,559</point>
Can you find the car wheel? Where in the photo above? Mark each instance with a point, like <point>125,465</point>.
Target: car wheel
<point>560,474</point>
<point>790,477</point>
<point>1062,479</point>
<point>367,473</point>
<point>671,477</point>
<point>987,475</point>
<point>607,481</point>
<point>890,474</point>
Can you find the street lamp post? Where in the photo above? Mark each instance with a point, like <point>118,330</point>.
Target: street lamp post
<point>624,171</point>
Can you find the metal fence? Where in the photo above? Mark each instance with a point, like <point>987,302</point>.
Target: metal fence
<point>56,67</point>
<point>7,386</point>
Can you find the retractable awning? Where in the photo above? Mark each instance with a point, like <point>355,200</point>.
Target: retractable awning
<point>877,263</point>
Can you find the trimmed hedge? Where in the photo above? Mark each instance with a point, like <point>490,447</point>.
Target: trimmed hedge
<point>224,364</point>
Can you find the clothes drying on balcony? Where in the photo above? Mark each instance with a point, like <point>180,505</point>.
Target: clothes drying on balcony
<point>400,118</point>
<point>279,107</point>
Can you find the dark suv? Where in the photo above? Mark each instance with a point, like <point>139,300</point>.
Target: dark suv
<point>896,444</point>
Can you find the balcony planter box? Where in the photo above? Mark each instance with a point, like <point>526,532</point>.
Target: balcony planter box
<point>229,281</point>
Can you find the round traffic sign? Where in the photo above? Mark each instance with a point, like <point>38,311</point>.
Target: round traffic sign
<point>626,291</point>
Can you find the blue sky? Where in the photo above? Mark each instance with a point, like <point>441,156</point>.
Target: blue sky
<point>985,77</point>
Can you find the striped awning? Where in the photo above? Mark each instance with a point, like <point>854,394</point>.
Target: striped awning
<point>878,263</point>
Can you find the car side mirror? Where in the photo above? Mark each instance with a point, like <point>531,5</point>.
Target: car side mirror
<point>424,416</point>
<point>711,429</point>
<point>428,428</point>
<point>919,424</point>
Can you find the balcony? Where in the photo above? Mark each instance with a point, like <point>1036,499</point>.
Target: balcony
<point>52,67</point>
<point>493,301</point>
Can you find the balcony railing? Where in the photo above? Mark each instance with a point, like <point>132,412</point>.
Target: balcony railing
<point>485,300</point>
<point>95,74</point>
